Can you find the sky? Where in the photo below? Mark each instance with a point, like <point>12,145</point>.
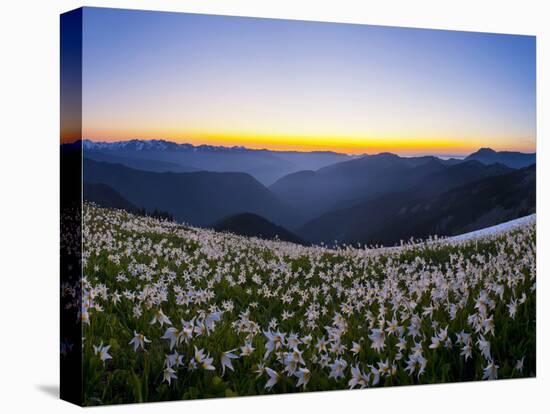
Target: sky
<point>283,84</point>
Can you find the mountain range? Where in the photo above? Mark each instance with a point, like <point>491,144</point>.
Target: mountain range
<point>264,165</point>
<point>380,198</point>
<point>508,158</point>
<point>197,198</point>
<point>399,216</point>
<point>347,183</point>
<point>106,196</point>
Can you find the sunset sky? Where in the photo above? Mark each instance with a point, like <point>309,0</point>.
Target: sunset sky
<point>282,84</point>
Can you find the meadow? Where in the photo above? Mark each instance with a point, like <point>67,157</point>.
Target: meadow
<point>177,312</point>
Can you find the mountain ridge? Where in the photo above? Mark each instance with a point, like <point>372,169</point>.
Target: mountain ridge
<point>197,198</point>
<point>254,225</point>
<point>313,193</point>
<point>513,159</point>
<point>398,216</point>
<point>263,164</point>
<point>166,145</point>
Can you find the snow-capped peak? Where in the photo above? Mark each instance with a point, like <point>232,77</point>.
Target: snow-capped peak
<point>152,145</point>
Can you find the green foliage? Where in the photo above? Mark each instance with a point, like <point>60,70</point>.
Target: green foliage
<point>145,259</point>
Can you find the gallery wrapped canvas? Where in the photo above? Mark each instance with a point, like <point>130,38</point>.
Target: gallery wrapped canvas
<point>264,206</point>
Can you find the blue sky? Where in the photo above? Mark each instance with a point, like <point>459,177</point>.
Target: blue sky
<point>304,85</point>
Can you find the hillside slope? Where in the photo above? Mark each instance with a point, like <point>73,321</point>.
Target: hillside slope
<point>160,155</point>
<point>399,216</point>
<point>105,196</point>
<point>342,185</point>
<point>198,198</point>
<point>421,311</point>
<point>253,225</point>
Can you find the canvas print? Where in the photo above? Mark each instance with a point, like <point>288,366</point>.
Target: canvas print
<point>264,206</point>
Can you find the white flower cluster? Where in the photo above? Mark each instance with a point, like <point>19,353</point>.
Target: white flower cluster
<point>289,316</point>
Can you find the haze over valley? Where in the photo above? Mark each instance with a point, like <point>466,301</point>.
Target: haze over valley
<point>311,197</point>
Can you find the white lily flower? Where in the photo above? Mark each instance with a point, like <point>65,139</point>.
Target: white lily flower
<point>168,375</point>
<point>337,368</point>
<point>161,318</point>
<point>139,340</point>
<point>490,371</point>
<point>173,335</point>
<point>519,365</point>
<point>247,349</point>
<point>274,378</point>
<point>484,347</point>
<point>103,352</point>
<point>225,360</point>
<point>378,338</point>
<point>303,375</point>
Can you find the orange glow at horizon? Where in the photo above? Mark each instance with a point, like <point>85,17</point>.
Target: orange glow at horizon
<point>343,144</point>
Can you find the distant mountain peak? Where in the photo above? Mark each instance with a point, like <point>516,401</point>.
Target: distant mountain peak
<point>386,155</point>
<point>485,150</point>
<point>134,145</point>
<point>254,225</point>
<point>512,159</point>
<point>165,145</point>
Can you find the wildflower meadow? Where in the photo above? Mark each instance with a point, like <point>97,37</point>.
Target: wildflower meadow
<point>176,312</point>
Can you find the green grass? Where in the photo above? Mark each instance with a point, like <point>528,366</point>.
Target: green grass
<point>158,258</point>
